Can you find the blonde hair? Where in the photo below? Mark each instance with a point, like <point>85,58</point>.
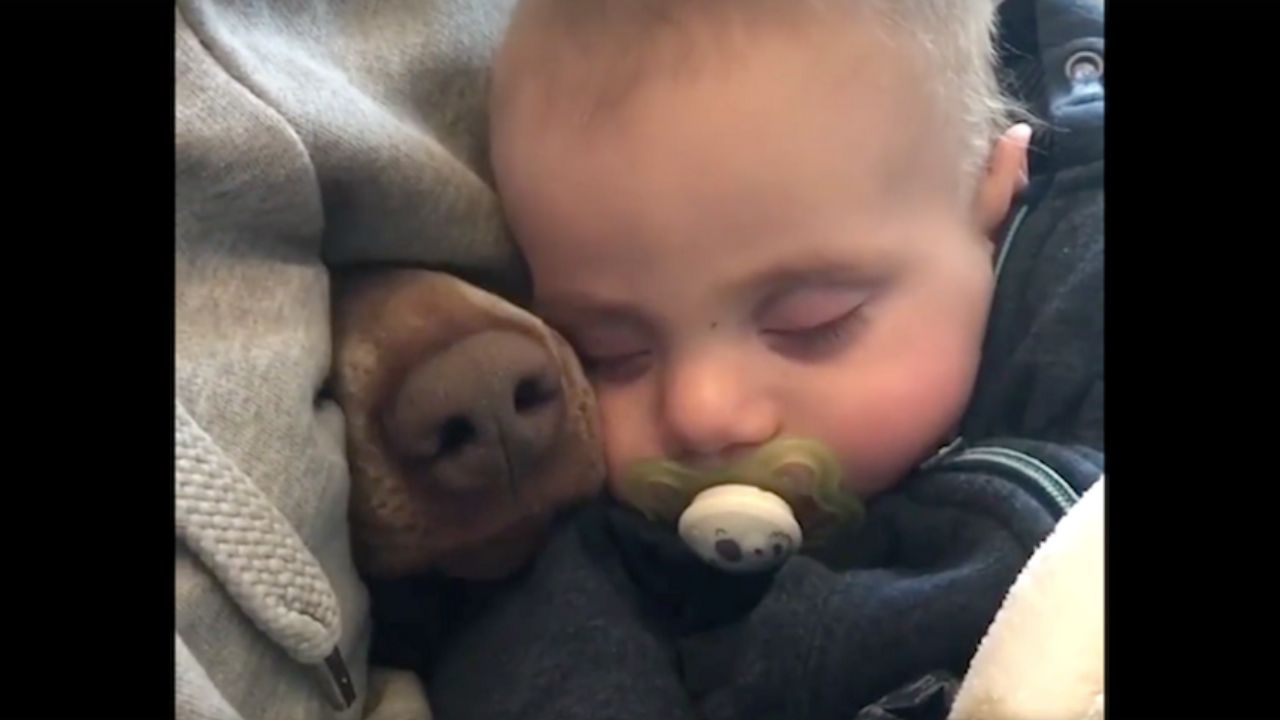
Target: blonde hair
<point>958,39</point>
<point>617,39</point>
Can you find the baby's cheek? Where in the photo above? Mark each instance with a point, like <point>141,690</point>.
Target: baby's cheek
<point>627,430</point>
<point>883,429</point>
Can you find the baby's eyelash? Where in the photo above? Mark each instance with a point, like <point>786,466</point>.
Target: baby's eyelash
<point>614,368</point>
<point>818,338</point>
<point>828,332</point>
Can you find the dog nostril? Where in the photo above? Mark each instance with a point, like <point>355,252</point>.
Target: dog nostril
<point>456,433</point>
<point>728,550</point>
<point>533,392</point>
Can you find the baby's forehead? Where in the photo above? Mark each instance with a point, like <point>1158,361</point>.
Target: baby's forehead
<point>746,155</point>
<point>589,65</point>
<point>773,137</point>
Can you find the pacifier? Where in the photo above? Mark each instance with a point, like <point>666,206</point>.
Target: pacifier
<point>740,528</point>
<point>742,518</point>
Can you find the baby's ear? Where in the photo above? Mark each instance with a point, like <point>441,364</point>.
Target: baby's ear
<point>1006,174</point>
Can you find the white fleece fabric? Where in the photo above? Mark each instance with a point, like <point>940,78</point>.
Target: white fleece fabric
<point>1042,658</point>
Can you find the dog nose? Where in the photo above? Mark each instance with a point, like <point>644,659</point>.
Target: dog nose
<point>482,411</point>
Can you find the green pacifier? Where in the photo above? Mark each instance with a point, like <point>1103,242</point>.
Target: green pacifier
<point>742,518</point>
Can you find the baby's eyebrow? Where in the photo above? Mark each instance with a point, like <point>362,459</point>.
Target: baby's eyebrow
<point>782,279</point>
<point>585,308</point>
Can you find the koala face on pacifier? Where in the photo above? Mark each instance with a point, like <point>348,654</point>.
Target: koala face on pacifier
<point>740,529</point>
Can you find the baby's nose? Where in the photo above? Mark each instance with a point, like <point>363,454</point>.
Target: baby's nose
<point>714,408</point>
<point>482,411</point>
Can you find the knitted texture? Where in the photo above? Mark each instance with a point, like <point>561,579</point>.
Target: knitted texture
<point>250,547</point>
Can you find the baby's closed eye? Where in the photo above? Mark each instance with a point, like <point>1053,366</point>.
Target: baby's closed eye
<point>610,351</point>
<point>810,319</point>
<point>807,308</point>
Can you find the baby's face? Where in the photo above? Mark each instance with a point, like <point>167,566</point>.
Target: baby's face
<point>772,245</point>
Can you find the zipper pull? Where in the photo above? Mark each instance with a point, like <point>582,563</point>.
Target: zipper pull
<point>335,679</point>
